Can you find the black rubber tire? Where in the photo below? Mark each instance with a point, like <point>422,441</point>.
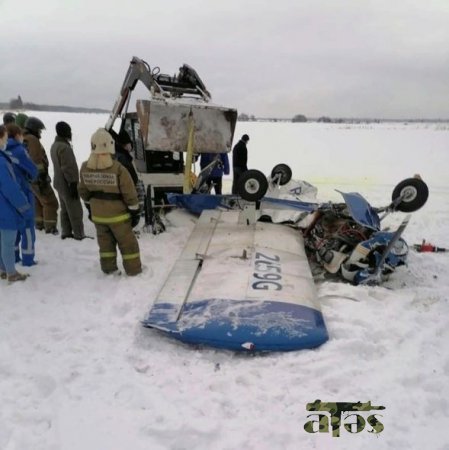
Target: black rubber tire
<point>284,171</point>
<point>252,185</point>
<point>416,194</point>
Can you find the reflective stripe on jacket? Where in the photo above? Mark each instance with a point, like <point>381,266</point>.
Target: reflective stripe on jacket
<point>117,182</point>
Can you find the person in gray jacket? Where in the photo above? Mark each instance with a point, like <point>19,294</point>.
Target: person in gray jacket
<point>66,178</point>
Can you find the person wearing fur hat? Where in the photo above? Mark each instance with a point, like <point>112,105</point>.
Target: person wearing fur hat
<point>110,196</point>
<point>65,181</point>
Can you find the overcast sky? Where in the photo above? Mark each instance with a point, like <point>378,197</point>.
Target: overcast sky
<point>276,58</point>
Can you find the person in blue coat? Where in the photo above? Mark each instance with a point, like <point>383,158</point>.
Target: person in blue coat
<point>14,210</point>
<point>26,172</point>
<point>215,179</point>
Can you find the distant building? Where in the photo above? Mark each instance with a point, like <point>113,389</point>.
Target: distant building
<point>299,118</point>
<point>16,103</point>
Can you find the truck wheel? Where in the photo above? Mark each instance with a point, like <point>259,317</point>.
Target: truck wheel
<point>252,185</point>
<point>282,172</point>
<point>414,192</point>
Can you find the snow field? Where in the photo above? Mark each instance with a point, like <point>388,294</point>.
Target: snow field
<point>77,370</point>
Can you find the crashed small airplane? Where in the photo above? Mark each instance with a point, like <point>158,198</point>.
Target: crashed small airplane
<point>245,283</point>
<point>243,280</point>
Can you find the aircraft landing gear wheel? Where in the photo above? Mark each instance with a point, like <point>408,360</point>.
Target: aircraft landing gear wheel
<point>414,192</point>
<point>282,172</point>
<point>252,185</point>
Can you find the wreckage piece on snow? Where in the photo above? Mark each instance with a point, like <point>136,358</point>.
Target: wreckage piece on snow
<point>240,286</point>
<point>345,239</point>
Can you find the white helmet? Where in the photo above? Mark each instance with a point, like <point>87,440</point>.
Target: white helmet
<point>102,142</point>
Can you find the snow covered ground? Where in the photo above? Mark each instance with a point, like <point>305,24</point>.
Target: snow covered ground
<point>77,370</point>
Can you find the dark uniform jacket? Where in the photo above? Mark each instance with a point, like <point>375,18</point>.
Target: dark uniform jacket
<point>64,164</point>
<point>240,156</point>
<point>37,155</point>
<point>124,158</point>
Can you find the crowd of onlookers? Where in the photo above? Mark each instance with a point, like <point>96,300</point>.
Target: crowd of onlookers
<point>28,201</point>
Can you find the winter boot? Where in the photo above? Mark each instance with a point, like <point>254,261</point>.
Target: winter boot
<point>17,277</point>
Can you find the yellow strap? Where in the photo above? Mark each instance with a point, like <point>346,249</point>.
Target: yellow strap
<point>130,256</point>
<point>114,219</point>
<point>108,254</point>
<point>187,189</point>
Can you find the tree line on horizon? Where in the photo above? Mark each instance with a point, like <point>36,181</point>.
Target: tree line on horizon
<point>301,118</point>
<point>18,104</point>
<point>297,118</point>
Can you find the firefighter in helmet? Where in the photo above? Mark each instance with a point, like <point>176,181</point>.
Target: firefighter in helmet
<point>111,200</point>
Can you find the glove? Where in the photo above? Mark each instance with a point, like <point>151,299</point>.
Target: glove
<point>73,189</point>
<point>89,212</point>
<point>135,217</point>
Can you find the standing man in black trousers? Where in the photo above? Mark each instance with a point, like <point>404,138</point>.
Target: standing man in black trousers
<point>239,160</point>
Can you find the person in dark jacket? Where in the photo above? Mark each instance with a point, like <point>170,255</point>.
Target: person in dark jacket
<point>26,172</point>
<point>123,149</point>
<point>239,160</point>
<point>46,206</point>
<point>14,210</point>
<point>215,179</point>
<point>66,178</point>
